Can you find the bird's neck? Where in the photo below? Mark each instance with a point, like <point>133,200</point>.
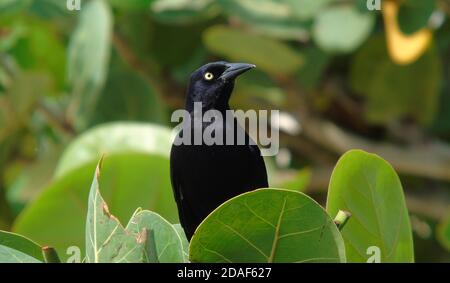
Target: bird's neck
<point>190,107</point>
<point>209,99</point>
<point>220,104</point>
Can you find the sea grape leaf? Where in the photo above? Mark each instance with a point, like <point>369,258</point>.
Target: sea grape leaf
<point>268,225</point>
<point>369,188</point>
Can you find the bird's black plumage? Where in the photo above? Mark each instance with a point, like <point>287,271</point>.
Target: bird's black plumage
<point>205,176</point>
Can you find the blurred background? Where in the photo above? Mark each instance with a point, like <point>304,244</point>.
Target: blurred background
<point>77,84</point>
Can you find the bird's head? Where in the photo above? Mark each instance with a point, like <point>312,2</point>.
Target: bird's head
<point>213,83</point>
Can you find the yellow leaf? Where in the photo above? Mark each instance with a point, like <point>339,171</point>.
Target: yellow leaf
<point>403,49</point>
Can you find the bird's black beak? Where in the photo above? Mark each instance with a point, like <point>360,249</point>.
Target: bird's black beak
<point>235,69</point>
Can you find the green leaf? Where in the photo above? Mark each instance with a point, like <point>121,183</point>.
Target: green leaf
<point>167,242</point>
<point>51,9</point>
<point>268,225</point>
<point>88,54</point>
<point>183,11</point>
<point>129,180</point>
<point>342,29</point>
<point>307,9</point>
<point>106,239</point>
<point>172,45</point>
<point>184,241</point>
<point>315,65</point>
<point>238,45</point>
<point>368,187</point>
<point>9,255</point>
<point>21,244</point>
<point>443,233</point>
<point>15,31</point>
<point>13,6</point>
<point>414,15</point>
<point>394,91</point>
<point>114,138</point>
<point>183,72</point>
<point>268,17</point>
<point>21,98</point>
<point>33,178</point>
<point>256,90</point>
<point>131,5</point>
<point>128,97</point>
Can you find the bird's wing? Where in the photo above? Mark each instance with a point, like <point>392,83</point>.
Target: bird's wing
<point>258,172</point>
<point>258,167</point>
<point>184,209</point>
<point>174,178</point>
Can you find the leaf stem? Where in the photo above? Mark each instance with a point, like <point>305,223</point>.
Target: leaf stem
<point>341,218</point>
<point>50,255</point>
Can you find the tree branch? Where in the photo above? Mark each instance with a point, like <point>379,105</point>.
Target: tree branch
<point>432,205</point>
<point>426,159</point>
<point>59,122</point>
<point>430,159</point>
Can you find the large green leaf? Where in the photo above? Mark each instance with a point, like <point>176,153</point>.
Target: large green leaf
<point>342,29</point>
<point>368,187</point>
<point>114,138</point>
<point>415,14</point>
<point>183,11</point>
<point>106,239</point>
<point>16,31</point>
<point>51,10</point>
<point>394,91</point>
<point>128,97</point>
<point>256,90</point>
<point>21,244</point>
<point>129,180</point>
<point>168,245</point>
<point>19,101</point>
<point>184,241</point>
<point>268,225</point>
<point>133,5</point>
<point>238,45</point>
<point>172,45</point>
<point>9,255</point>
<point>316,62</point>
<point>13,6</point>
<point>37,40</point>
<point>33,178</point>
<point>271,18</point>
<point>307,9</point>
<point>88,55</point>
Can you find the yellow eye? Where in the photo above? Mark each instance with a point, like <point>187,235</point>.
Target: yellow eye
<point>209,76</point>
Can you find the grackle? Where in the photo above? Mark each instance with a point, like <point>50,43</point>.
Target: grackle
<point>204,176</point>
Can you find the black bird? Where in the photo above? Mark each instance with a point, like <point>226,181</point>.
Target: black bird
<point>204,176</point>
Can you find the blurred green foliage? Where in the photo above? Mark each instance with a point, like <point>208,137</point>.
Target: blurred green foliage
<point>64,74</point>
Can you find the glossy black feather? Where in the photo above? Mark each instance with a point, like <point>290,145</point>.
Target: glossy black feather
<point>203,177</point>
